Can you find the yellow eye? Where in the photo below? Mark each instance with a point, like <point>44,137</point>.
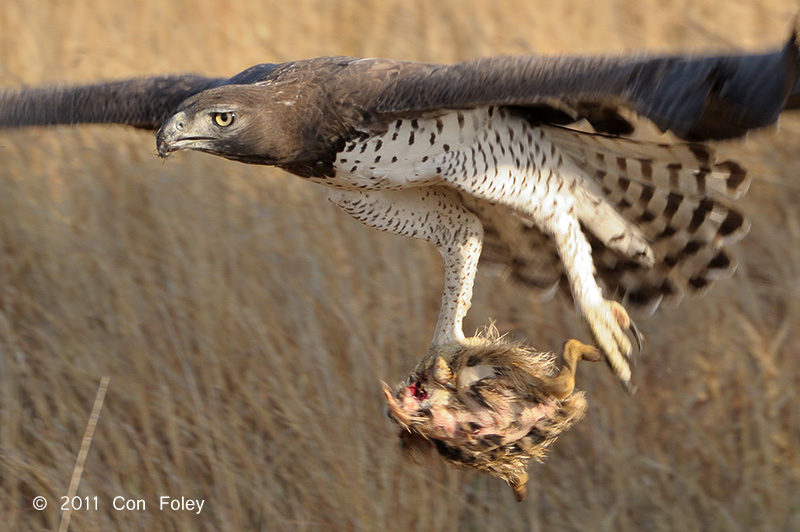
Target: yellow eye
<point>223,119</point>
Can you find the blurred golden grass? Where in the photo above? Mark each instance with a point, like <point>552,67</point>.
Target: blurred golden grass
<point>245,323</point>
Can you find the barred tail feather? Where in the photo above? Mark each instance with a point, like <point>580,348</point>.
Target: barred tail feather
<point>686,168</point>
<point>675,198</point>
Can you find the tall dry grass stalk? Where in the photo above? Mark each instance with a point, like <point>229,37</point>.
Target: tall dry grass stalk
<point>246,323</point>
<point>75,480</point>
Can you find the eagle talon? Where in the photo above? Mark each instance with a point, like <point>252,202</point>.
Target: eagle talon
<point>609,324</point>
<point>638,337</point>
<point>620,314</point>
<point>629,387</point>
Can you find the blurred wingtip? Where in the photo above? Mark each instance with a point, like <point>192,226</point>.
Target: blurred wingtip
<point>796,27</point>
<point>793,46</point>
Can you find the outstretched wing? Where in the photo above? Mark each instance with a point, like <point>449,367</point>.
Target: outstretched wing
<point>139,102</point>
<point>697,98</point>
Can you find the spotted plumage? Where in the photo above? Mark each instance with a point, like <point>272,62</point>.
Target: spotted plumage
<point>532,160</point>
<point>558,181</point>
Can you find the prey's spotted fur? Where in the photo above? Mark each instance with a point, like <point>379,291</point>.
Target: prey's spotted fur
<point>489,405</point>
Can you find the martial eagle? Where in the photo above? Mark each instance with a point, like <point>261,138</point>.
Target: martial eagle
<point>531,157</point>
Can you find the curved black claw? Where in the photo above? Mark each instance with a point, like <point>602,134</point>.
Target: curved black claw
<point>629,387</point>
<point>638,338</point>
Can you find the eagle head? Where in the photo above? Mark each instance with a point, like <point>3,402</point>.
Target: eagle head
<point>248,123</point>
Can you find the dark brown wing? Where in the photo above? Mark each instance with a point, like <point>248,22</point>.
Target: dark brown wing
<point>697,98</point>
<point>139,102</point>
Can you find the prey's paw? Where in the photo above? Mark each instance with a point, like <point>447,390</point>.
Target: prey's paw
<point>562,385</point>
<point>609,323</point>
<point>574,351</point>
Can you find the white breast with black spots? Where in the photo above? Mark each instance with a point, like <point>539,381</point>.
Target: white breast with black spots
<point>411,152</point>
<point>489,153</point>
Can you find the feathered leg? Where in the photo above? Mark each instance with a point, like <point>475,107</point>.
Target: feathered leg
<point>607,319</point>
<point>555,215</point>
<point>437,216</point>
<point>533,179</point>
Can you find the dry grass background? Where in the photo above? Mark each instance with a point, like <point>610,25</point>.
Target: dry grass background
<point>245,323</point>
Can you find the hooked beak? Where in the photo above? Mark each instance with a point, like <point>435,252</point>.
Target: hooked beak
<point>170,132</point>
<point>174,135</point>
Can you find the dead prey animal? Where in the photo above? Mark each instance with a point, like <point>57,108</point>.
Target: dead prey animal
<point>489,405</point>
